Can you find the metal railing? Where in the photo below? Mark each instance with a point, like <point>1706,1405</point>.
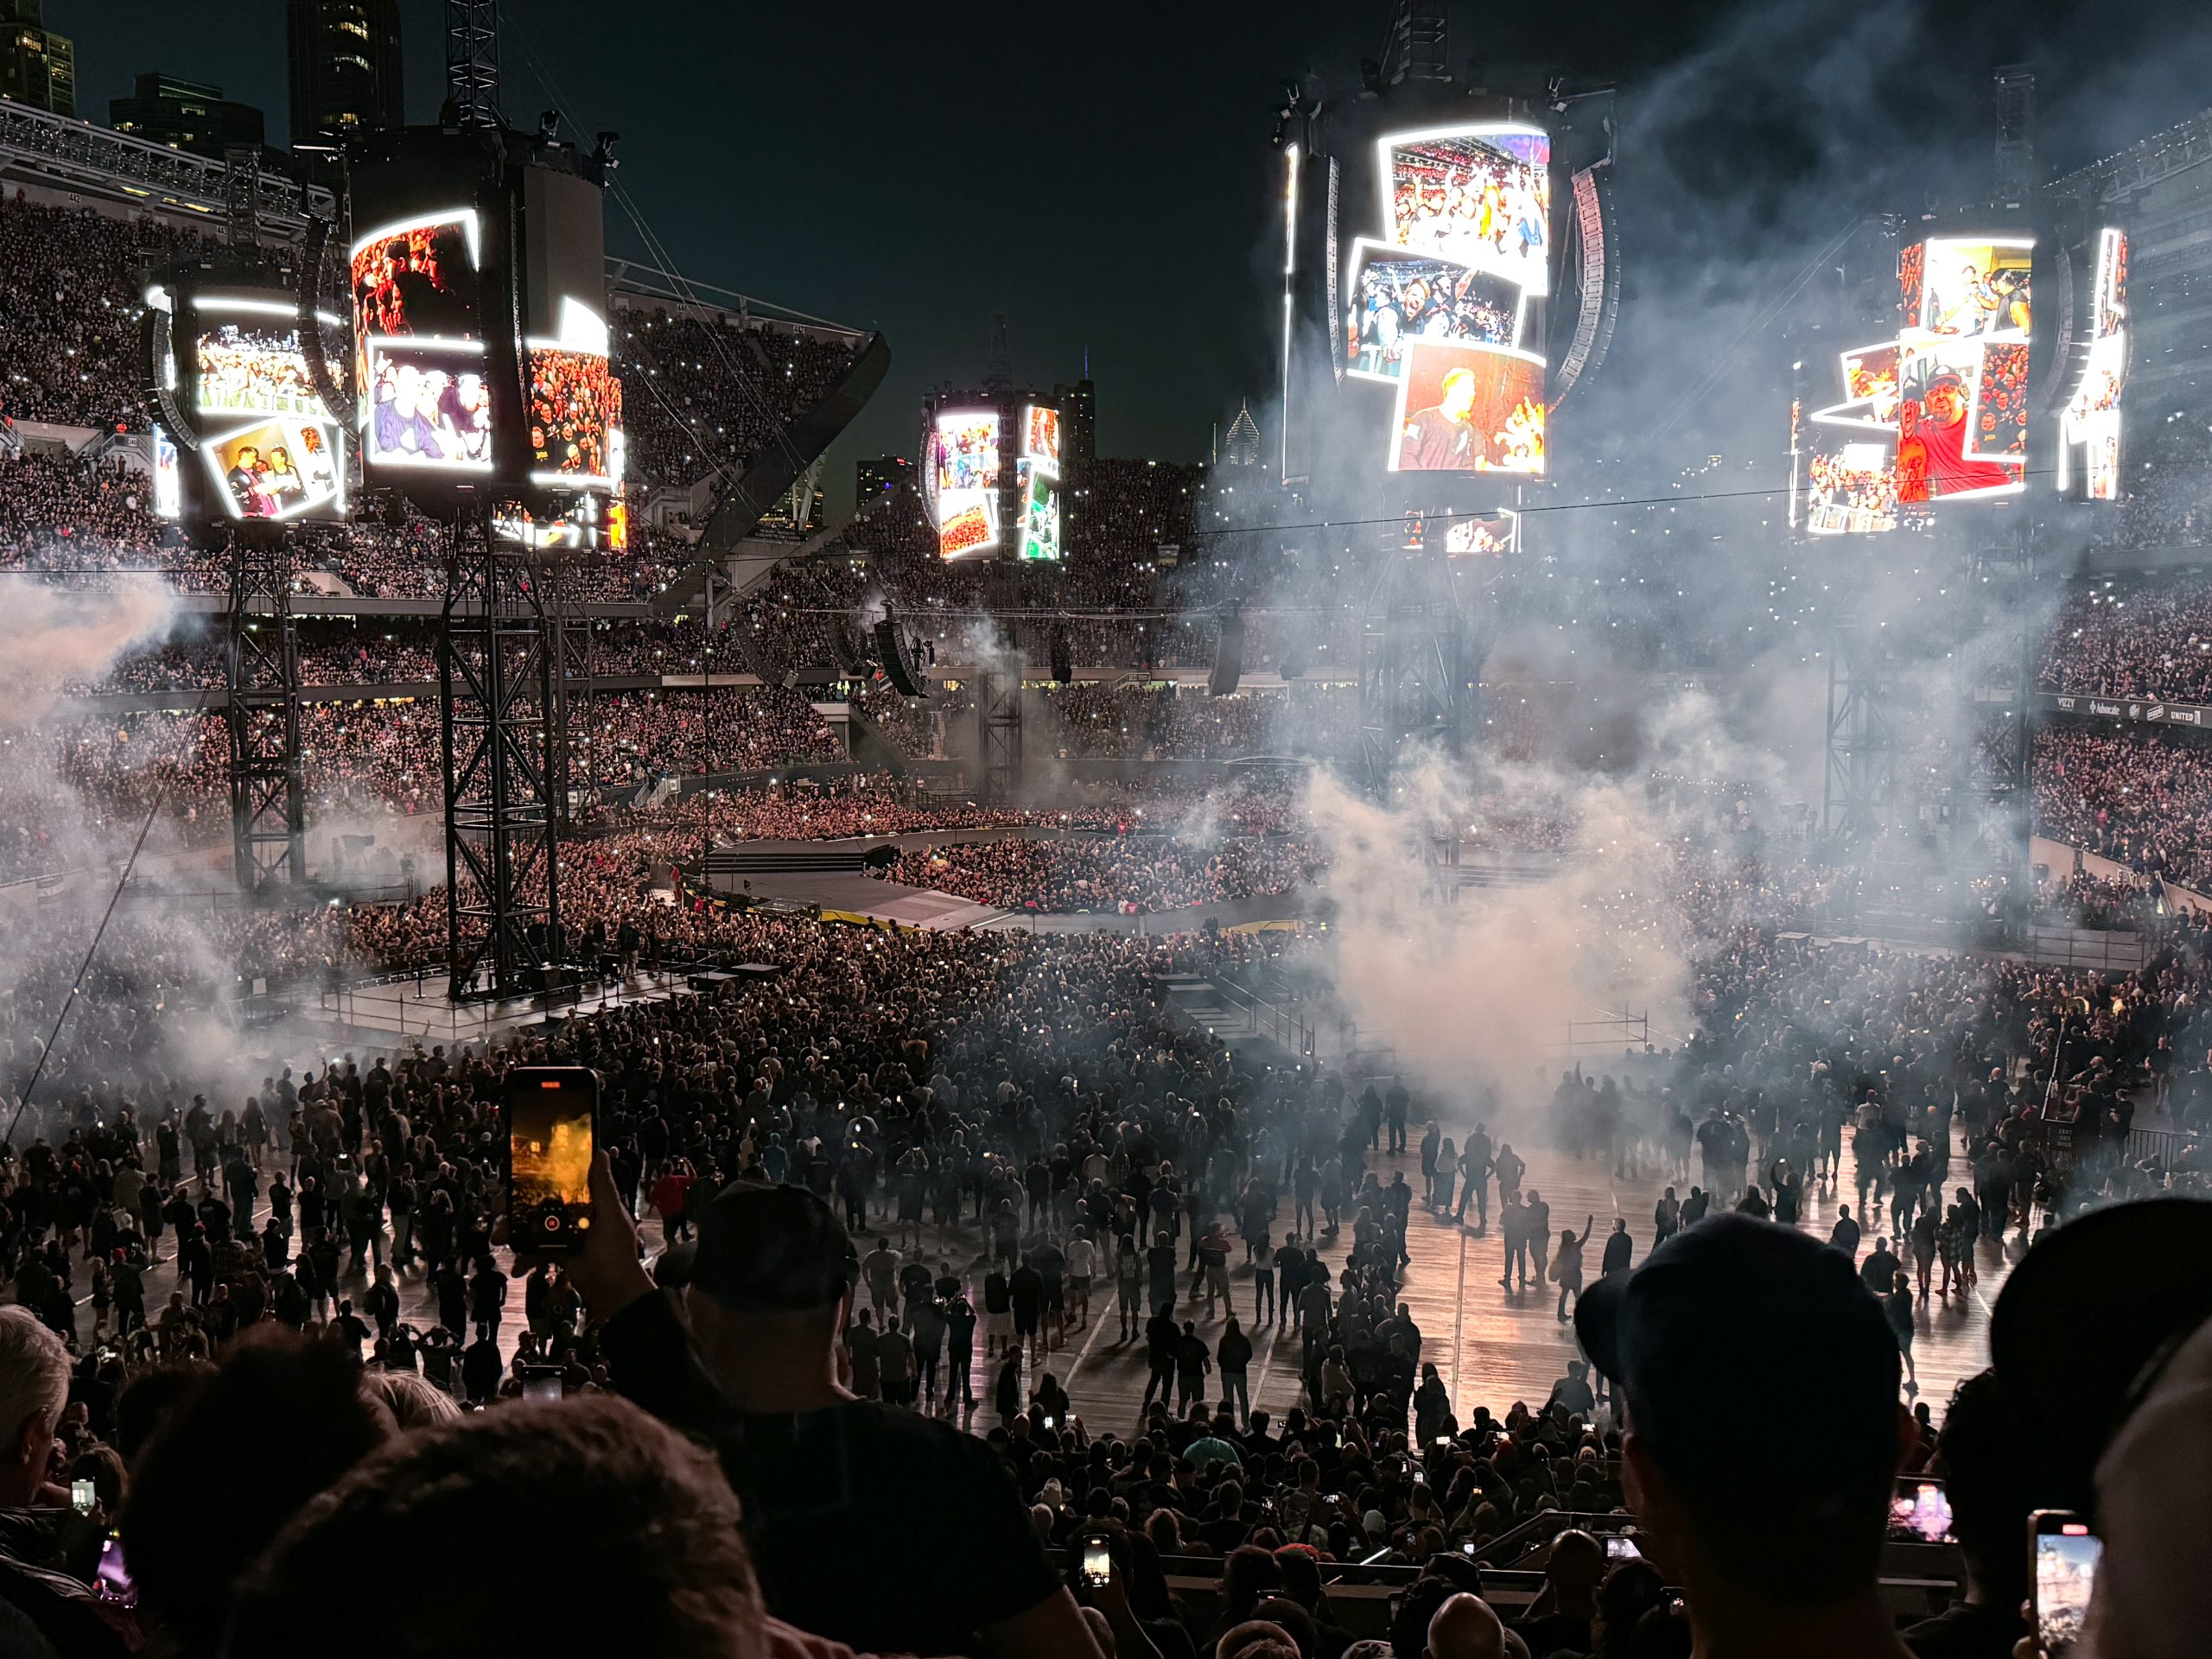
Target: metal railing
<point>76,155</point>
<point>1288,1026</point>
<point>2112,950</point>
<point>1609,1033</point>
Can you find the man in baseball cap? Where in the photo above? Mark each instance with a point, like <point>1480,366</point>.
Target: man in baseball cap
<point>818,1471</point>
<point>1759,1381</point>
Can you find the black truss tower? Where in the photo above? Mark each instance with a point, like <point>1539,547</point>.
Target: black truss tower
<point>998,733</point>
<point>1419,662</point>
<point>268,795</point>
<point>569,637</point>
<point>472,62</point>
<point>1858,791</point>
<point>504,750</point>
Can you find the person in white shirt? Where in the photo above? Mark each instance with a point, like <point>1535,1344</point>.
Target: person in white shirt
<point>1083,1262</point>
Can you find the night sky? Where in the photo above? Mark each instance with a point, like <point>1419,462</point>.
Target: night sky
<point>1102,174</point>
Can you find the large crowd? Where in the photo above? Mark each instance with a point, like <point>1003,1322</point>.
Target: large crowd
<point>1125,875</point>
<point>1019,1109</point>
<point>2141,798</point>
<point>703,391</point>
<point>2149,641</point>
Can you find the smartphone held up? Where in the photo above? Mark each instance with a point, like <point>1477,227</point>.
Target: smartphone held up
<point>552,1123</point>
<point>2063,1557</point>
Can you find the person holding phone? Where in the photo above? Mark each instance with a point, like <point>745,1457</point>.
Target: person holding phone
<point>2103,1337</point>
<point>816,1470</point>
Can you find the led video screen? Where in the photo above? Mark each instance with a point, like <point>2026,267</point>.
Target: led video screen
<point>1397,295</point>
<point>414,281</point>
<point>592,522</point>
<point>251,364</point>
<point>1477,195</point>
<point>1850,485</point>
<point>280,468</point>
<point>1483,534</point>
<point>572,413</point>
<point>1039,495</point>
<point>967,451</point>
<point>1869,384</point>
<point>169,486</point>
<point>1973,287</point>
<point>964,470</point>
<point>1040,436</point>
<point>967,521</point>
<point>417,276</point>
<point>430,405</point>
<point>1469,408</point>
<point>2090,421</point>
<point>1941,399</point>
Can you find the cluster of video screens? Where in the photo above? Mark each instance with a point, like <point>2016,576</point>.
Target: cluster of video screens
<point>270,448</point>
<point>1447,306</point>
<point>427,403</point>
<point>1938,414</point>
<point>966,471</point>
<point>2089,424</point>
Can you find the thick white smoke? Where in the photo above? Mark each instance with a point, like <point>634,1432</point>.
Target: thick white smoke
<point>52,636</point>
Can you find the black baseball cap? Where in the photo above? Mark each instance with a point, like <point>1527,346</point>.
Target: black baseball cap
<point>771,1249</point>
<point>2085,1319</point>
<point>1752,1361</point>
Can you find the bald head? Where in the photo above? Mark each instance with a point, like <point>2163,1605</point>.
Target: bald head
<point>1465,1627</point>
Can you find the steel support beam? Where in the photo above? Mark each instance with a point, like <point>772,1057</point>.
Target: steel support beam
<point>504,754</point>
<point>261,660</point>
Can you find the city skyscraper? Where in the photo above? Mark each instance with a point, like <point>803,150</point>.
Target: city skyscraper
<point>347,76</point>
<point>1240,447</point>
<point>876,476</point>
<point>187,115</point>
<point>37,67</point>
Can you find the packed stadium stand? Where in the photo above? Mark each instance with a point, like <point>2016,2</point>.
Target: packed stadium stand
<point>966,1326</point>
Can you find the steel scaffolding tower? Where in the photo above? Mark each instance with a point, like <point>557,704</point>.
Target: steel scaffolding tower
<point>504,752</point>
<point>1858,792</point>
<point>572,691</point>
<point>268,795</point>
<point>472,62</point>
<point>1419,662</point>
<point>998,733</point>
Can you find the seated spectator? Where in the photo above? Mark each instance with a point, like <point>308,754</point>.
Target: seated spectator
<point>2101,1342</point>
<point>1464,1627</point>
<point>1561,1615</point>
<point>1988,1467</point>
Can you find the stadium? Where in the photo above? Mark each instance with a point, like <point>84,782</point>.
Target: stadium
<point>579,1012</point>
